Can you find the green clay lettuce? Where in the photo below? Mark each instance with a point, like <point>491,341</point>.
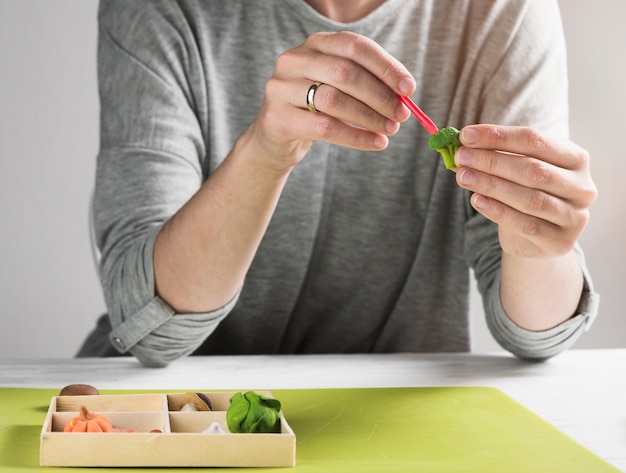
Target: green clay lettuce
<point>253,413</point>
<point>446,142</point>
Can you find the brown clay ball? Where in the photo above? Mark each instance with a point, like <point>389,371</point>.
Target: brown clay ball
<point>78,390</point>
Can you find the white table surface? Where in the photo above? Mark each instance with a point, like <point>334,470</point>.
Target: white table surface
<point>581,392</point>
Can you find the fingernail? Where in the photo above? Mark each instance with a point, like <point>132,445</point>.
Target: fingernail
<point>480,202</point>
<point>391,126</point>
<point>402,113</point>
<point>464,157</point>
<point>469,135</point>
<point>406,85</point>
<point>380,142</point>
<point>467,177</point>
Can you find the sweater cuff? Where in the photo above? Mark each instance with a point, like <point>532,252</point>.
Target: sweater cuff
<point>157,328</point>
<point>540,345</point>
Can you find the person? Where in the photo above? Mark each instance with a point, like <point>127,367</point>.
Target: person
<point>261,189</point>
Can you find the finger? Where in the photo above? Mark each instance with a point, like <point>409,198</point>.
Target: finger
<point>321,127</point>
<point>525,200</point>
<point>370,55</point>
<point>575,186</point>
<point>526,171</point>
<point>331,101</point>
<point>526,141</point>
<point>351,79</point>
<point>541,237</point>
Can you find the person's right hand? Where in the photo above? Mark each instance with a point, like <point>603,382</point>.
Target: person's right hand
<point>357,103</point>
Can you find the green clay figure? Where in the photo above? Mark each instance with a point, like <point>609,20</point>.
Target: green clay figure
<point>446,141</point>
<point>253,413</point>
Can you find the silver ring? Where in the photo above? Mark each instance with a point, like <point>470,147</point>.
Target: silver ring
<point>310,96</point>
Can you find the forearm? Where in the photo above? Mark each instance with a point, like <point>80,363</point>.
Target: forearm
<point>540,293</point>
<point>203,252</point>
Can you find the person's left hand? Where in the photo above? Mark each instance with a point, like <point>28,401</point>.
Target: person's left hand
<point>536,188</point>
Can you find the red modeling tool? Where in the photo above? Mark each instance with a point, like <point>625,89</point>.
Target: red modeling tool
<point>421,116</point>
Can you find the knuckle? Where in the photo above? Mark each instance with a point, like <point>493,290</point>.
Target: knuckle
<point>388,102</point>
<point>531,227</point>
<point>582,157</point>
<point>500,137</point>
<point>579,218</point>
<point>538,173</point>
<point>585,194</point>
<point>317,35</point>
<point>534,139</point>
<point>489,184</point>
<point>355,45</point>
<point>487,161</point>
<point>590,192</point>
<point>567,243</point>
<point>325,128</point>
<point>583,217</point>
<point>330,98</point>
<point>537,202</point>
<point>272,86</point>
<point>498,213</point>
<point>494,135</point>
<point>316,39</point>
<point>343,72</point>
<point>585,157</point>
<point>391,71</point>
<point>284,59</point>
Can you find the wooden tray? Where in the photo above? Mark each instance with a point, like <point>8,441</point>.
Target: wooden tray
<point>181,443</point>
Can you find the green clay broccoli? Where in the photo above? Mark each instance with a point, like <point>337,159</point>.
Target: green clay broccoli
<point>253,413</point>
<point>446,141</point>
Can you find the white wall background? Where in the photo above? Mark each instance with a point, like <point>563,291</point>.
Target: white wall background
<point>49,291</point>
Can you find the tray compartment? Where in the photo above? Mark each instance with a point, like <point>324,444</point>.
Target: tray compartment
<point>113,403</point>
<point>219,400</point>
<point>139,421</point>
<point>196,422</point>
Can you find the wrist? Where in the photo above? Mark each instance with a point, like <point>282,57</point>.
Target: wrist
<point>540,293</point>
<point>267,156</point>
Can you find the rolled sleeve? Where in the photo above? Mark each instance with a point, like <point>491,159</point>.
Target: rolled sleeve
<point>156,335</point>
<point>540,345</point>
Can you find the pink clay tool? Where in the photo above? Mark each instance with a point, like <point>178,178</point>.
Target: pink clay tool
<point>421,116</point>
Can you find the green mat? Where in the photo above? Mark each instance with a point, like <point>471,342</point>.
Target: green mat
<point>456,429</point>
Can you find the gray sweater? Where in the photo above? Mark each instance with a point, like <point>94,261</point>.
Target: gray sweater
<point>366,252</point>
